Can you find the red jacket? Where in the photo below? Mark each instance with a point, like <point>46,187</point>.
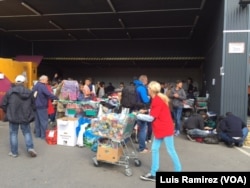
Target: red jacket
<point>51,109</point>
<point>162,125</point>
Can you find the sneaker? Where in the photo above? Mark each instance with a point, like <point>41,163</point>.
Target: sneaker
<point>12,155</point>
<point>145,151</point>
<point>177,133</point>
<point>148,177</point>
<point>239,144</point>
<point>230,145</point>
<point>32,152</point>
<point>190,138</point>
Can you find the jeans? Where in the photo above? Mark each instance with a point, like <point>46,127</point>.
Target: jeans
<point>169,143</point>
<point>177,111</point>
<point>52,117</point>
<point>41,122</point>
<point>149,131</point>
<point>13,128</point>
<point>228,139</point>
<point>198,133</point>
<point>143,126</point>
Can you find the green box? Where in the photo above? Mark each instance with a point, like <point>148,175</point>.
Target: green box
<point>71,111</point>
<point>201,99</point>
<point>201,104</point>
<point>90,112</point>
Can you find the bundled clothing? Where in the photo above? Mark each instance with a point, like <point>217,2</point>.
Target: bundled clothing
<point>70,89</point>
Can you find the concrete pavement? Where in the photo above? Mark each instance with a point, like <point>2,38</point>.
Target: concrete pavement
<point>65,166</point>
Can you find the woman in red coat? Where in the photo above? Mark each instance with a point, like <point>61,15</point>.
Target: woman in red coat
<point>51,109</point>
<point>163,130</point>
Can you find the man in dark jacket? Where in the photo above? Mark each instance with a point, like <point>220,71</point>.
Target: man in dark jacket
<point>232,130</point>
<point>42,95</point>
<point>18,104</point>
<point>195,126</point>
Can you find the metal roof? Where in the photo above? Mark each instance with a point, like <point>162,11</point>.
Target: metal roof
<point>106,20</point>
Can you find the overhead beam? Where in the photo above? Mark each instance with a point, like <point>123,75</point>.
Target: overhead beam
<point>122,23</point>
<point>31,8</point>
<point>111,5</point>
<point>55,25</point>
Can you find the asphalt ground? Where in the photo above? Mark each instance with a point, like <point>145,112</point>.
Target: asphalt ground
<point>65,166</point>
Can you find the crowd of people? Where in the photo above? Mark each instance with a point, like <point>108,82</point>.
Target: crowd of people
<point>159,118</point>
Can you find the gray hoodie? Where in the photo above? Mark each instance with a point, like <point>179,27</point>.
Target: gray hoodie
<point>177,102</point>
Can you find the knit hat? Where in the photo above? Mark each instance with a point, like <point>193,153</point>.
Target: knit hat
<point>20,78</point>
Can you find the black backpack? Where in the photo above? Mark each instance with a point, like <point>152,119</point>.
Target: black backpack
<point>130,97</point>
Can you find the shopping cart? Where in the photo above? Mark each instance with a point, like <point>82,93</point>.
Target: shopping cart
<point>201,105</point>
<point>115,145</point>
<point>188,108</point>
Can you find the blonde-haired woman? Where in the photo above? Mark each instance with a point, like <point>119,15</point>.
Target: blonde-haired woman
<point>163,130</point>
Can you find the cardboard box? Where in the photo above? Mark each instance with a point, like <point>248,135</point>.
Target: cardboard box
<point>109,154</point>
<point>66,131</point>
<point>247,143</point>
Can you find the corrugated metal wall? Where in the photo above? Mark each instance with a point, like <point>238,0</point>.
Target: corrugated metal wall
<point>234,81</point>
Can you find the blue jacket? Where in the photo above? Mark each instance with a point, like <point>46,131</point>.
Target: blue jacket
<point>142,91</point>
<point>43,95</point>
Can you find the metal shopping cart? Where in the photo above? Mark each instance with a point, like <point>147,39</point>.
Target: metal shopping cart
<point>115,145</point>
<point>188,108</point>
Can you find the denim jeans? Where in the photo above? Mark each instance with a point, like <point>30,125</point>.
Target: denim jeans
<point>13,128</point>
<point>169,143</point>
<point>177,111</point>
<point>143,126</point>
<point>149,131</point>
<point>41,122</point>
<point>198,133</point>
<point>228,139</point>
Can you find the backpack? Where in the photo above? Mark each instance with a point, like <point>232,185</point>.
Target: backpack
<point>130,97</point>
<point>212,139</point>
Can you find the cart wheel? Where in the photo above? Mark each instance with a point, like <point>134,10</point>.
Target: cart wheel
<point>96,164</point>
<point>128,172</point>
<point>137,162</point>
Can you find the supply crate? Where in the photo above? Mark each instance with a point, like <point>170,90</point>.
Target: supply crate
<point>90,112</point>
<point>108,153</point>
<point>201,99</point>
<point>71,112</point>
<point>201,104</point>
